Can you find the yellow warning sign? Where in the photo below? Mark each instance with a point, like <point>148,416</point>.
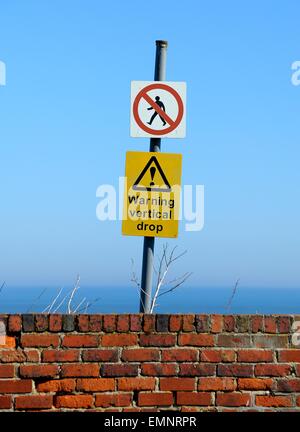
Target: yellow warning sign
<point>152,194</point>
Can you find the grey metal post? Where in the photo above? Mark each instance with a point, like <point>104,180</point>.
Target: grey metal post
<point>148,249</point>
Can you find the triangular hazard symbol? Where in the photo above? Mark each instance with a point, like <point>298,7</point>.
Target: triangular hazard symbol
<point>147,180</point>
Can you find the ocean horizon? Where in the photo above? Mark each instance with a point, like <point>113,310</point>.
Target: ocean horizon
<point>184,300</point>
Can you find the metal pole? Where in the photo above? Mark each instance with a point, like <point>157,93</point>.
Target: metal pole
<point>148,249</point>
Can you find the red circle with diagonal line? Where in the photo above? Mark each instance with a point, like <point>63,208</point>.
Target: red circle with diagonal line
<point>173,124</point>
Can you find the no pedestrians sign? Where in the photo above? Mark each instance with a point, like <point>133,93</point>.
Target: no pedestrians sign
<point>158,109</point>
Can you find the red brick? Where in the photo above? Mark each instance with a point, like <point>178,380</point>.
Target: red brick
<point>273,401</point>
<point>158,369</point>
<point>292,355</point>
<point>155,399</point>
<point>255,356</point>
<point>140,354</point>
<point>297,370</point>
<point>191,369</point>
<point>202,323</point>
<point>284,324</point>
<point>257,324</point>
<point>179,355</point>
<point>32,355</point>
<point>80,370</point>
<point>83,323</point>
<point>55,322</point>
<point>96,323</point>
<point>109,323</point>
<point>233,399</point>
<point>196,339</point>
<point>216,384</point>
<point>33,402</point>
<point>242,323</point>
<point>37,371</point>
<point>270,325</point>
<point>100,355</point>
<point>112,370</point>
<point>123,323</point>
<point>157,340</point>
<point>188,323</point>
<point>288,385</point>
<point>15,386</point>
<point>5,402</point>
<point>149,323</point>
<point>95,384</point>
<point>172,384</point>
<point>56,386</point>
<point>130,384</point>
<point>42,340</point>
<point>78,341</point>
<point>270,341</point>
<point>175,323</point>
<point>74,401</point>
<point>192,398</point>
<point>12,356</point>
<point>217,356</point>
<point>41,322</point>
<point>272,370</point>
<point>14,323</point>
<point>228,340</point>
<point>216,323</point>
<point>9,342</point>
<point>50,356</point>
<point>255,384</point>
<point>235,370</point>
<point>228,323</point>
<point>136,323</point>
<point>7,371</point>
<point>115,399</point>
<point>119,340</point>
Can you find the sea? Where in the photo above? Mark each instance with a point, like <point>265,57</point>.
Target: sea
<point>246,300</point>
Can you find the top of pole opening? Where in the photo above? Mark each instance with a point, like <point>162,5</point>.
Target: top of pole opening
<point>162,43</point>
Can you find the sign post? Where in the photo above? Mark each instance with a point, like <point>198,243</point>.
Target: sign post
<point>148,248</point>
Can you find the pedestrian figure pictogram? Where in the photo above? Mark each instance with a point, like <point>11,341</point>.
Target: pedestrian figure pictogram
<point>160,104</point>
<point>158,109</point>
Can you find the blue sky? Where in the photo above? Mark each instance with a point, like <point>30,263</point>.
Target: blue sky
<point>64,130</point>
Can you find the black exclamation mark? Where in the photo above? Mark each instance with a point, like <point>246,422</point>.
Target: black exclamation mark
<point>152,173</point>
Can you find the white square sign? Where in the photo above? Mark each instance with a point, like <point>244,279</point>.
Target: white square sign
<point>158,109</point>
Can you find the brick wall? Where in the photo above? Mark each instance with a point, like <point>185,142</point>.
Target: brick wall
<point>149,363</point>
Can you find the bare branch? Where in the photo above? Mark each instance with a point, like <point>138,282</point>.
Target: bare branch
<point>36,300</point>
<point>2,286</point>
<point>232,295</point>
<point>76,288</point>
<point>51,305</point>
<point>185,277</point>
<point>78,306</point>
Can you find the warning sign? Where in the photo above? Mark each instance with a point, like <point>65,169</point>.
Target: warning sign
<point>158,181</point>
<point>158,109</point>
<point>152,194</point>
